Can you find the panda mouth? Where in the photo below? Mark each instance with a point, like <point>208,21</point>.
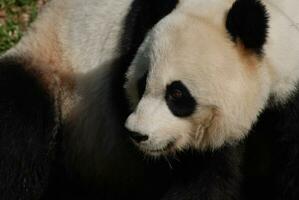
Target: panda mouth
<point>164,150</point>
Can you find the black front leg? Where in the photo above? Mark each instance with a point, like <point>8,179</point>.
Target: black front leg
<point>271,162</point>
<point>27,127</point>
<point>209,176</point>
<point>286,166</point>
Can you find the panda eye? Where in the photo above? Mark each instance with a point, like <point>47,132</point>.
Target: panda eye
<point>176,91</point>
<point>179,100</point>
<point>176,94</point>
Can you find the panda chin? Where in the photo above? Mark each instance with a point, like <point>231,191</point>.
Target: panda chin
<point>165,150</point>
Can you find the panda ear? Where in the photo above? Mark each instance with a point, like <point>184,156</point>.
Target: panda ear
<point>247,22</point>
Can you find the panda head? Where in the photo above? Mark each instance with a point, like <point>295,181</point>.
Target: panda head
<point>198,79</point>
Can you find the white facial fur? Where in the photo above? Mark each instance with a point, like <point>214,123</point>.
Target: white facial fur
<point>229,84</point>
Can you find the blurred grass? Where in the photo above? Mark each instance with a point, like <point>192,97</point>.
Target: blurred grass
<point>15,16</point>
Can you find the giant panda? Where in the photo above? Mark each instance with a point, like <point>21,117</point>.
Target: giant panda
<point>247,65</point>
<point>142,99</point>
<point>63,108</point>
<point>214,72</point>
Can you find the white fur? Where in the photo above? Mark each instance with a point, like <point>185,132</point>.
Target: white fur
<point>282,48</point>
<point>231,86</point>
<point>87,31</point>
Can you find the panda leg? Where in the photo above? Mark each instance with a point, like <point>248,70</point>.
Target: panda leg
<point>287,169</point>
<point>27,127</point>
<point>272,153</point>
<point>214,176</point>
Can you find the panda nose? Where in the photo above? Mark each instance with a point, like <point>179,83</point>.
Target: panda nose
<point>137,137</point>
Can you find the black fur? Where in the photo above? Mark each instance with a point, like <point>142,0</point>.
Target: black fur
<point>142,85</point>
<point>272,158</point>
<point>142,17</point>
<point>247,21</point>
<point>27,128</point>
<point>183,106</point>
<point>213,175</point>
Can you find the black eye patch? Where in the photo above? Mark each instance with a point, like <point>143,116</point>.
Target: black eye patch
<point>179,100</point>
<point>141,84</point>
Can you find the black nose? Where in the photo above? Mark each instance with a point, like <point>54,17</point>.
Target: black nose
<point>138,137</point>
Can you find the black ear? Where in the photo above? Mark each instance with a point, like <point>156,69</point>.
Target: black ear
<point>142,16</point>
<point>247,21</point>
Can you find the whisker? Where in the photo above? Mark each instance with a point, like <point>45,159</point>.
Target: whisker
<point>167,160</point>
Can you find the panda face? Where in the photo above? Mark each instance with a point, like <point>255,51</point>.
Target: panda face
<point>191,86</point>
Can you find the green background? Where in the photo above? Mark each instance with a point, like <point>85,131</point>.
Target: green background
<point>15,16</point>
